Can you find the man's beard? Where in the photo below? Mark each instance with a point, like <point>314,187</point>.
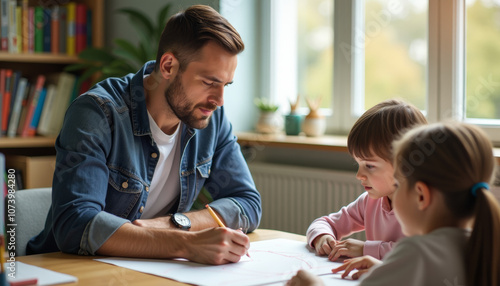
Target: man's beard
<point>182,108</point>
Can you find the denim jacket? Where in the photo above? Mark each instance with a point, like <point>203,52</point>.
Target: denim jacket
<point>106,157</point>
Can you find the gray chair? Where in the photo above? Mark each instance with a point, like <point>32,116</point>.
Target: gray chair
<point>32,207</point>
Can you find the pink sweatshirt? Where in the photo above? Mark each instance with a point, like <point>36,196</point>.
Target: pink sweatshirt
<point>375,216</point>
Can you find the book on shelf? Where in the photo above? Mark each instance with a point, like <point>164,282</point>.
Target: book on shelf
<point>39,24</point>
<point>16,109</point>
<point>63,28</point>
<point>81,28</point>
<point>4,23</point>
<point>25,28</point>
<point>14,82</point>
<point>47,14</point>
<point>54,31</point>
<point>71,35</point>
<point>2,91</point>
<point>6,100</point>
<point>19,29</point>
<point>24,24</point>
<point>28,108</point>
<point>12,27</point>
<point>55,107</point>
<point>27,131</point>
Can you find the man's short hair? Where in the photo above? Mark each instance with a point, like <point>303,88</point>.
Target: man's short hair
<point>188,31</point>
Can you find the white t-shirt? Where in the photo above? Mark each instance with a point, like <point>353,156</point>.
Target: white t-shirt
<point>165,185</point>
<point>437,258</point>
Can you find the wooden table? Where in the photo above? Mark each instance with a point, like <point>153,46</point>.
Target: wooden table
<point>95,273</point>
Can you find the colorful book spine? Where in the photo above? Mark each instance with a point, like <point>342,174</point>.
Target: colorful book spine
<point>71,19</point>
<point>39,29</point>
<point>6,101</point>
<point>19,28</point>
<point>31,29</point>
<point>47,27</point>
<point>25,25</point>
<point>63,28</point>
<point>32,106</point>
<point>14,82</point>
<point>16,109</point>
<point>4,22</point>
<point>81,27</point>
<point>24,107</point>
<point>54,31</point>
<point>2,91</point>
<point>12,27</point>
<point>38,112</point>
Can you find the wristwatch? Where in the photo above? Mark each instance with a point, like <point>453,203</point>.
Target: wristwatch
<point>181,221</point>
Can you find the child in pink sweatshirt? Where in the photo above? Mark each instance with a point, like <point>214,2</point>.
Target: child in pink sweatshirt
<point>369,142</point>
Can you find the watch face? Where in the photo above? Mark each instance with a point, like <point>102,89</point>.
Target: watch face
<point>181,220</point>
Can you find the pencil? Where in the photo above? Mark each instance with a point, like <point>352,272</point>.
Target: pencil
<point>214,215</point>
<point>217,219</point>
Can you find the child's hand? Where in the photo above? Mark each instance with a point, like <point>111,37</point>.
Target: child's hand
<point>304,278</point>
<point>349,247</point>
<point>362,264</point>
<point>324,244</point>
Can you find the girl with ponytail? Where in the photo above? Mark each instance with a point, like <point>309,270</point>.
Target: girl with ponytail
<point>444,206</point>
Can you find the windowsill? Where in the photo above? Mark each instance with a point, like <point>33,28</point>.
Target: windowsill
<point>325,143</point>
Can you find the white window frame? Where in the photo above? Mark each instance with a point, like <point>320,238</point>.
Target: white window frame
<point>446,63</point>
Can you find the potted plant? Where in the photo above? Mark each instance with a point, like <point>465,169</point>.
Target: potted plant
<point>269,120</point>
<point>126,57</point>
<point>314,123</point>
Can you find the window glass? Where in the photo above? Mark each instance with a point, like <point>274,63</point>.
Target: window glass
<point>315,50</point>
<point>395,51</point>
<point>483,56</point>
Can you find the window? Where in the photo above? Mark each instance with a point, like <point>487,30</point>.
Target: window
<point>437,55</point>
<point>482,52</point>
<point>395,52</point>
<point>315,50</point>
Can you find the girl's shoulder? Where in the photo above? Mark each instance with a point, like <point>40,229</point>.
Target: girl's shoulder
<point>445,238</point>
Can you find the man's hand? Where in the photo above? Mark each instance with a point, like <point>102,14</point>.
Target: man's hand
<point>159,222</point>
<point>349,247</point>
<point>219,245</point>
<point>362,264</point>
<point>304,278</point>
<point>324,244</point>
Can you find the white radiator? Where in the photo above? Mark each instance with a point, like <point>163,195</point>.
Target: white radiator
<point>292,197</point>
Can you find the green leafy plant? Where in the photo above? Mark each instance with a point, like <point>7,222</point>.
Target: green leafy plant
<point>265,105</point>
<point>126,57</point>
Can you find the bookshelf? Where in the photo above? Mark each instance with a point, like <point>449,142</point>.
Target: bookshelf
<point>31,65</point>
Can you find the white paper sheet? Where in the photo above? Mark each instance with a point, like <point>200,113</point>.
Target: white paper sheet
<point>271,261</point>
<point>25,271</point>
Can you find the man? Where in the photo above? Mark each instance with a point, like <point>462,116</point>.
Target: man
<point>136,149</point>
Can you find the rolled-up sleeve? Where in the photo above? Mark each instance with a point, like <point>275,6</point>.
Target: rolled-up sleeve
<point>99,229</point>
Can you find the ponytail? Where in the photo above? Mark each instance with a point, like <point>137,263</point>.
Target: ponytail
<point>483,249</point>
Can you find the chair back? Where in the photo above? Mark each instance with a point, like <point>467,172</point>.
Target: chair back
<point>31,209</point>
